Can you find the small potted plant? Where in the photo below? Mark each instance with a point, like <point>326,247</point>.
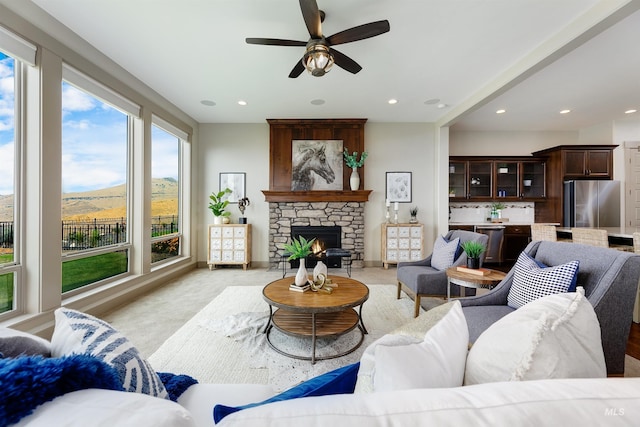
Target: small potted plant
<point>352,161</point>
<point>217,206</point>
<point>414,213</point>
<point>299,249</point>
<point>473,250</point>
<point>496,210</point>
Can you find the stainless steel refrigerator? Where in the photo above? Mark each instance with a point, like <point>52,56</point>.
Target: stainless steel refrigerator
<point>591,203</point>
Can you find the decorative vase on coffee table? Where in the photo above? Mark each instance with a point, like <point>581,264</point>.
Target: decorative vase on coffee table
<point>320,268</point>
<point>354,180</point>
<point>302,277</point>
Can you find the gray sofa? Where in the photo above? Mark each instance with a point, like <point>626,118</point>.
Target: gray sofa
<point>419,278</point>
<point>610,280</point>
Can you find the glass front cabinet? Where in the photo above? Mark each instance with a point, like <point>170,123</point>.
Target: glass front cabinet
<point>480,178</point>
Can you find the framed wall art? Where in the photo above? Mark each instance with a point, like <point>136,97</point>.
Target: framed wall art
<point>316,165</point>
<point>398,187</point>
<point>235,181</point>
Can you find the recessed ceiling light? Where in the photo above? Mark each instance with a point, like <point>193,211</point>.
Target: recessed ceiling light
<point>630,111</point>
<point>207,102</point>
<point>441,105</point>
<point>392,101</point>
<point>432,101</point>
<point>241,102</point>
<point>501,111</point>
<point>565,111</point>
<point>317,101</point>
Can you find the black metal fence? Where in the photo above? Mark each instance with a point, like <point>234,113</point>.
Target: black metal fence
<point>85,234</point>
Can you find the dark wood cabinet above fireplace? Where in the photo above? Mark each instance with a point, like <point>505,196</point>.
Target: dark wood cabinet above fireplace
<point>281,134</point>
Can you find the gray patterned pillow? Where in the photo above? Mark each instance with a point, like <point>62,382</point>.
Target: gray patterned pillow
<point>81,333</point>
<point>530,281</point>
<point>444,253</point>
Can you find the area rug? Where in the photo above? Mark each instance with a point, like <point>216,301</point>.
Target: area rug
<point>225,341</point>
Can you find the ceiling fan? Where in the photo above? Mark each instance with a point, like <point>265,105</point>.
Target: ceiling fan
<point>319,55</point>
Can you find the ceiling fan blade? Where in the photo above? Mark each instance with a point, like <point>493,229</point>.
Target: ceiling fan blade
<point>275,42</point>
<point>345,62</point>
<point>360,32</point>
<point>297,70</point>
<point>311,15</point>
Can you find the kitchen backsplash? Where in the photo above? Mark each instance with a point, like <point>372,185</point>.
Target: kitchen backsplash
<point>517,212</point>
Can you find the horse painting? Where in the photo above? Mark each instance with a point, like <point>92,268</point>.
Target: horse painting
<point>310,162</point>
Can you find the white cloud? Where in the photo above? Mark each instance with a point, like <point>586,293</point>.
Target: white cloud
<point>76,100</point>
<point>6,170</point>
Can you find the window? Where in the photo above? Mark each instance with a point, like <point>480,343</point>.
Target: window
<point>8,267</point>
<point>96,139</point>
<point>165,202</point>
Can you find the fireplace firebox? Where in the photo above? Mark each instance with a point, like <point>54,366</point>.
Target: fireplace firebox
<point>326,237</point>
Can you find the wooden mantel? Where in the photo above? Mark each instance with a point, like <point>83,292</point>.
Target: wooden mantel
<point>316,196</point>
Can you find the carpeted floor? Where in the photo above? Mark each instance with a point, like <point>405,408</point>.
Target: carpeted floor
<point>150,320</point>
<point>225,343</point>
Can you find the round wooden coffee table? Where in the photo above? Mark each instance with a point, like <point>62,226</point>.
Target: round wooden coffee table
<point>315,314</point>
<point>470,280</point>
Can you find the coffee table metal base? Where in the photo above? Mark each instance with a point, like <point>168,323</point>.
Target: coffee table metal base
<point>315,325</point>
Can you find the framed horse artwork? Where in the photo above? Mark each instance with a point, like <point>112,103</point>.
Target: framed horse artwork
<point>316,165</point>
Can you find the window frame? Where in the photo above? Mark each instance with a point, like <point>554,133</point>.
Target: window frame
<point>132,111</point>
<point>182,138</point>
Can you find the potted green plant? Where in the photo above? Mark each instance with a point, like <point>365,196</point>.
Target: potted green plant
<point>217,206</point>
<point>473,250</point>
<point>352,161</point>
<point>414,213</point>
<point>496,210</point>
<point>299,249</point>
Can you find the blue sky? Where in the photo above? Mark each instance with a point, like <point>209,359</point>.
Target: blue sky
<point>94,140</point>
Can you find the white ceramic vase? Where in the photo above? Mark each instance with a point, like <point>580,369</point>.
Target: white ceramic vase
<point>320,268</point>
<point>354,180</point>
<point>302,277</point>
<point>217,220</point>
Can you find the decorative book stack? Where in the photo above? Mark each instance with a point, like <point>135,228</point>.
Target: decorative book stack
<point>296,288</point>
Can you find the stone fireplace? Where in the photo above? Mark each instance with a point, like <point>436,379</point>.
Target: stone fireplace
<point>349,216</point>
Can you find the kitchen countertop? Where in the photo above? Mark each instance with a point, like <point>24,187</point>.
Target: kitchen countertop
<point>624,231</point>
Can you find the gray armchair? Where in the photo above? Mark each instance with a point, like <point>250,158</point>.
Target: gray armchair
<point>610,281</point>
<point>419,278</point>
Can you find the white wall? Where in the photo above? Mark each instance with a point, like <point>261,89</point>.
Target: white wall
<point>245,148</point>
<point>511,143</point>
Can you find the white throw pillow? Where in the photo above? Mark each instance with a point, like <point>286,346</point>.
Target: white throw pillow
<point>81,333</point>
<point>95,407</point>
<point>444,253</point>
<point>557,336</point>
<point>401,362</point>
<point>531,281</point>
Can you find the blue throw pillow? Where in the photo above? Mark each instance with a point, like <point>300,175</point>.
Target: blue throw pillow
<point>533,280</point>
<point>338,381</point>
<point>176,384</point>
<point>29,381</point>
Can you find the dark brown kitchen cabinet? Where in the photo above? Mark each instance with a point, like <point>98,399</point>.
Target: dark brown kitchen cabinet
<point>571,162</point>
<point>587,164</point>
<point>488,179</point>
<point>516,238</point>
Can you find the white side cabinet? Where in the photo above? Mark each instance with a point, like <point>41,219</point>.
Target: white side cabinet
<point>402,242</point>
<point>229,244</point>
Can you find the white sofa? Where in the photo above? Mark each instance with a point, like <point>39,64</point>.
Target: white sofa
<point>541,365</point>
<point>583,402</point>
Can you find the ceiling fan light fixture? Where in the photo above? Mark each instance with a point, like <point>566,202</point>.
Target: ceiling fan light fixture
<point>317,59</point>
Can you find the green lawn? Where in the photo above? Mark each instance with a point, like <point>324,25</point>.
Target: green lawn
<point>80,272</point>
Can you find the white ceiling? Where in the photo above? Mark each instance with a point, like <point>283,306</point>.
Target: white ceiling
<point>465,53</point>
